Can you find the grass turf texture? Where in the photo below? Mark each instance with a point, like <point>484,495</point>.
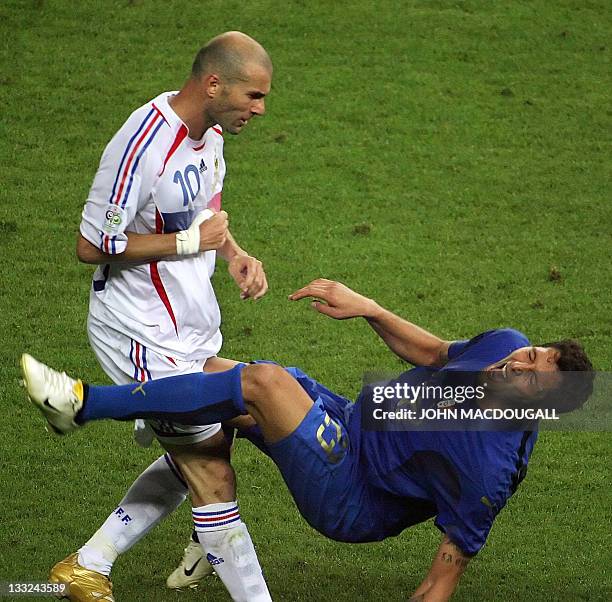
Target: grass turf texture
<point>450,159</point>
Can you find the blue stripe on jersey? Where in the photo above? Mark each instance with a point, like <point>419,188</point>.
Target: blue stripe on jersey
<point>111,239</point>
<point>144,362</point>
<point>127,150</point>
<point>135,166</point>
<point>181,220</point>
<point>98,285</point>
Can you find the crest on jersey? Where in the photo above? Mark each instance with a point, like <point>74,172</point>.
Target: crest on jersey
<point>113,219</point>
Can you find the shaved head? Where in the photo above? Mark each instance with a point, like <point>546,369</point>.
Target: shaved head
<point>228,56</point>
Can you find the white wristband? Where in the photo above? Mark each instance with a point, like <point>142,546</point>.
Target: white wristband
<point>188,241</point>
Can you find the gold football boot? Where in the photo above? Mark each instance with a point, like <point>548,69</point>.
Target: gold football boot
<point>84,585</point>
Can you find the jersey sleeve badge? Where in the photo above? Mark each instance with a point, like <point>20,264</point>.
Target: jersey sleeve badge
<point>113,218</point>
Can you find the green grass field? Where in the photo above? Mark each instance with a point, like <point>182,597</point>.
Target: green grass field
<point>450,159</point>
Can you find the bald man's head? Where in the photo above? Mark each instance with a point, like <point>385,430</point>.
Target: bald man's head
<point>228,56</point>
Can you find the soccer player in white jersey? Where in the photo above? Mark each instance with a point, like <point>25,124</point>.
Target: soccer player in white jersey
<point>153,224</point>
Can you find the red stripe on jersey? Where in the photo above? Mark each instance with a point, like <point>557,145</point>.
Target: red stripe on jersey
<point>180,136</point>
<point>129,161</point>
<point>199,148</point>
<point>171,360</point>
<point>218,130</point>
<point>161,291</point>
<point>159,222</point>
<point>155,277</point>
<point>162,115</point>
<point>141,373</point>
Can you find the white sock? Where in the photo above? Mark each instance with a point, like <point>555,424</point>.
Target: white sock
<point>229,549</point>
<point>157,492</point>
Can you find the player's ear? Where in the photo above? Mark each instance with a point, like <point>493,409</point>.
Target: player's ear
<point>212,85</point>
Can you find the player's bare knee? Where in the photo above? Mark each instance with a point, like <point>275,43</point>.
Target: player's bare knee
<point>259,380</point>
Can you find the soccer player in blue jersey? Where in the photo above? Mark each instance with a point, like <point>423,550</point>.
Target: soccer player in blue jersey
<point>380,482</point>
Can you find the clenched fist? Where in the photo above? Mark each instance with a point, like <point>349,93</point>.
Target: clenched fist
<point>213,232</point>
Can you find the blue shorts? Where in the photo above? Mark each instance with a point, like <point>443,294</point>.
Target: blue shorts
<point>319,464</point>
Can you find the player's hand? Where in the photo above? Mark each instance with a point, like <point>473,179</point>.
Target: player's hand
<point>249,274</point>
<point>213,232</point>
<point>335,299</point>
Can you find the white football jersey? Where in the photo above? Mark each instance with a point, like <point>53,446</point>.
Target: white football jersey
<point>152,179</point>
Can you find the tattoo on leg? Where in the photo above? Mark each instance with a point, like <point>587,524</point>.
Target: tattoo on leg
<point>459,559</point>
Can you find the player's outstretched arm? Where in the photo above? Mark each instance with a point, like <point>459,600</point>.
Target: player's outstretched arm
<point>443,576</point>
<point>408,341</point>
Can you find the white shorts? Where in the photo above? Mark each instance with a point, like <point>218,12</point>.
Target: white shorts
<point>125,361</point>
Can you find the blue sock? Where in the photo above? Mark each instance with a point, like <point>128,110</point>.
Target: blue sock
<point>198,398</point>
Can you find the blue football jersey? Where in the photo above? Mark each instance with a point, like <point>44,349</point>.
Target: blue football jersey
<point>464,477</point>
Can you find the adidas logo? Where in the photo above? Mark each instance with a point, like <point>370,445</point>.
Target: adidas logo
<point>213,559</point>
<point>202,167</point>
